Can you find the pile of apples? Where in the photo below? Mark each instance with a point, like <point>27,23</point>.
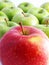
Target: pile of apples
<point>24,34</point>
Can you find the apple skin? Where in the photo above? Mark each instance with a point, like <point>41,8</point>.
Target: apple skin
<point>19,49</point>
<point>12,24</point>
<point>45,6</point>
<point>5,27</point>
<point>44,28</point>
<point>10,12</point>
<point>6,0</point>
<point>25,6</point>
<point>9,23</point>
<point>26,19</point>
<point>5,4</point>
<point>2,13</point>
<point>40,13</point>
<point>3,30</point>
<point>45,20</point>
<point>3,16</point>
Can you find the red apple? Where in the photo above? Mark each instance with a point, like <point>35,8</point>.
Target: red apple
<point>30,47</point>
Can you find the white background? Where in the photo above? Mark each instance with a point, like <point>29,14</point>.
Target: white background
<point>37,3</point>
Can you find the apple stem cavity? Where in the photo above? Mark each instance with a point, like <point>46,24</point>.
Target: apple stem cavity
<point>12,7</point>
<point>21,27</point>
<point>26,4</point>
<point>40,11</point>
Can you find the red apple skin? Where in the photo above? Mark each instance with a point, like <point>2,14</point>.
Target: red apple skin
<point>19,49</point>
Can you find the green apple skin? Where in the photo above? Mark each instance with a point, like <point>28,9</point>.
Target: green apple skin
<point>12,24</point>
<point>40,13</point>
<point>45,6</point>
<point>3,22</point>
<point>5,27</point>
<point>6,0</point>
<point>3,16</point>
<point>25,6</point>
<point>5,4</point>
<point>44,28</point>
<point>3,30</point>
<point>26,19</point>
<point>10,12</point>
<point>9,23</point>
<point>45,20</point>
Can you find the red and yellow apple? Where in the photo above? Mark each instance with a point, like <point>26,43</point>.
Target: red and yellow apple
<point>30,47</point>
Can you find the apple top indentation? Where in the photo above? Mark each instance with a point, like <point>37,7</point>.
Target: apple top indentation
<point>41,11</point>
<point>26,4</point>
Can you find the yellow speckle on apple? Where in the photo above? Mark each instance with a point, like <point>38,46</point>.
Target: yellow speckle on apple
<point>35,39</point>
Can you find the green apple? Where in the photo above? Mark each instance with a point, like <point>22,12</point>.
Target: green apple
<point>25,6</point>
<point>10,12</point>
<point>45,6</point>
<point>6,0</point>
<point>8,23</point>
<point>44,28</point>
<point>3,22</point>
<point>11,24</point>
<point>45,20</point>
<point>3,16</point>
<point>40,13</point>
<point>3,29</point>
<point>6,26</point>
<point>5,4</point>
<point>26,19</point>
<point>33,10</point>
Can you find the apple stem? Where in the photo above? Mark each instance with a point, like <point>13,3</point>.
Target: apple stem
<point>23,14</point>
<point>21,27</point>
<point>6,21</point>
<point>47,22</point>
